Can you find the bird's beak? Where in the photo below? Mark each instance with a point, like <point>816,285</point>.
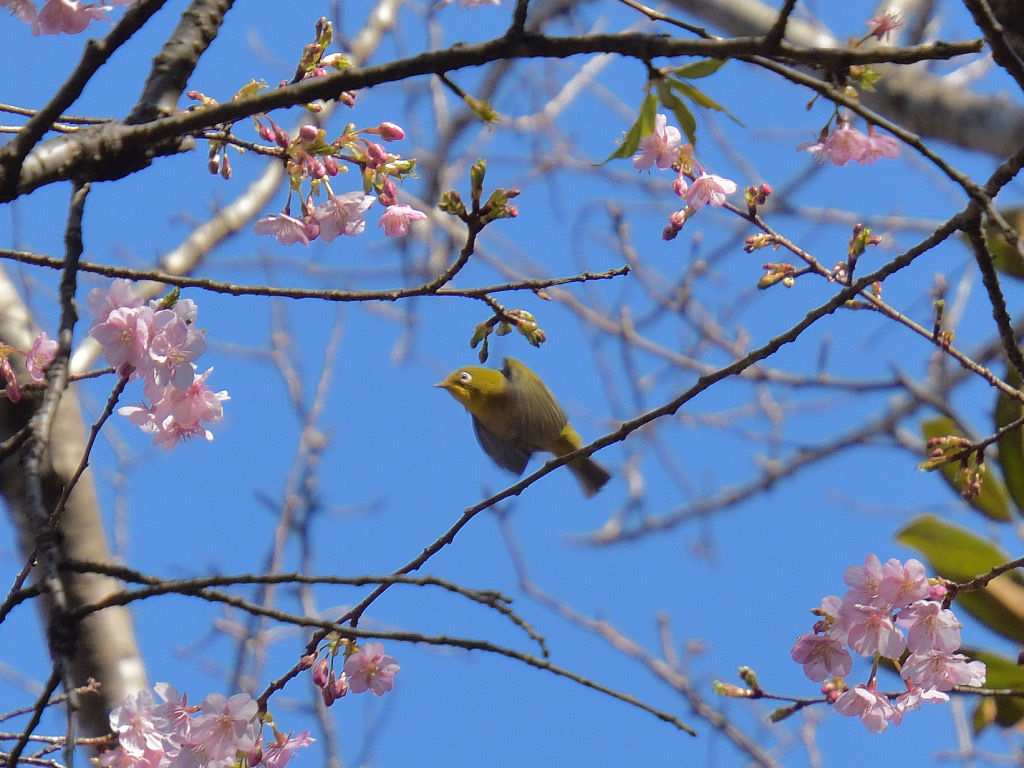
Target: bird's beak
<point>442,385</point>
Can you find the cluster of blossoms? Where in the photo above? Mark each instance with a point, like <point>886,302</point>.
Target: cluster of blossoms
<point>37,359</point>
<point>663,148</point>
<point>56,17</point>
<point>311,161</point>
<point>309,157</point>
<point>227,733</point>
<point>157,342</point>
<point>367,669</point>
<point>846,143</point>
<point>883,598</point>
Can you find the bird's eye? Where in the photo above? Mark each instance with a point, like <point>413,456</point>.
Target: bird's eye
<point>465,377</point>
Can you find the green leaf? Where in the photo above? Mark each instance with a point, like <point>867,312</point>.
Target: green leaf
<point>994,500</point>
<point>698,97</point>
<point>958,554</point>
<point>1011,445</point>
<point>682,113</point>
<point>701,68</point>
<point>644,126</point>
<point>1000,672</point>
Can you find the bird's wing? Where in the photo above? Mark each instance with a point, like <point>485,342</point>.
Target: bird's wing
<point>504,454</point>
<point>542,418</point>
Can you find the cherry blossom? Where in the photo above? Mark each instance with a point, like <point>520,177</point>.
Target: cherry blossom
<point>40,356</point>
<point>846,143</point>
<point>708,189</point>
<point>882,25</point>
<point>822,657</point>
<point>873,709</point>
<point>913,699</point>
<point>13,389</point>
<point>68,17</point>
<point>277,754</point>
<point>24,10</point>
<point>931,627</point>
<point>396,219</point>
<point>660,148</point>
<point>881,599</point>
<point>342,215</point>
<point>942,671</point>
<point>287,229</point>
<point>370,669</point>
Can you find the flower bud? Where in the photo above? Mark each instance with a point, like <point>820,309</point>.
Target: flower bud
<point>320,674</point>
<point>391,132</point>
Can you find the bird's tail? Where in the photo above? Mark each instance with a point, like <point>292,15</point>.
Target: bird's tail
<point>591,475</point>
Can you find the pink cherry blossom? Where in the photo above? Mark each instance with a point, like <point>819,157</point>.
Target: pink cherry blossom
<point>871,631</point>
<point>133,724</point>
<point>708,189</point>
<point>40,356</point>
<point>174,345</point>
<point>226,726</point>
<point>660,148</point>
<point>370,669</point>
<point>24,10</point>
<point>864,581</point>
<point>342,214</point>
<point>178,415</point>
<point>930,627</point>
<point>125,336</point>
<point>878,147</point>
<point>276,755</point>
<point>13,390</point>
<point>902,584</point>
<point>841,146</point>
<point>846,143</point>
<point>821,657</point>
<point>287,229</point>
<point>884,24</point>
<point>873,709</point>
<point>173,718</point>
<point>103,300</point>
<point>68,16</point>
<point>396,219</point>
<point>942,671</point>
<point>913,699</point>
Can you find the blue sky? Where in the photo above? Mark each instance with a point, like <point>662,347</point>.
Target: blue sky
<point>401,462</point>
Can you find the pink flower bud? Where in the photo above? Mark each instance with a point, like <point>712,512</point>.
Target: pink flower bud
<point>391,132</point>
<point>376,154</point>
<point>339,686</point>
<point>308,133</point>
<point>680,185</point>
<point>320,674</point>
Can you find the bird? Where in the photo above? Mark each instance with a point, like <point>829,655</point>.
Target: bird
<point>515,415</point>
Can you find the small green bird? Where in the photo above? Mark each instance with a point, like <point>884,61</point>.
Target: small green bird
<point>515,415</point>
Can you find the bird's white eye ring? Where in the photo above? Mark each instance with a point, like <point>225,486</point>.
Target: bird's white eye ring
<point>465,377</point>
